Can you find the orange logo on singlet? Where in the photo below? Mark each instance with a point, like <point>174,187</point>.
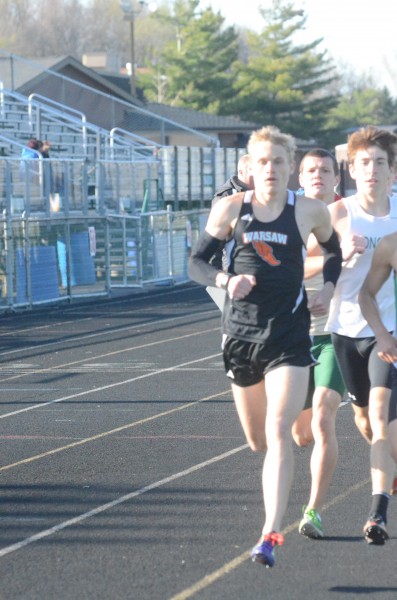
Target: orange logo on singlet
<point>266,253</point>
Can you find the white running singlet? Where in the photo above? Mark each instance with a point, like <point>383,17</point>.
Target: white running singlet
<point>345,317</point>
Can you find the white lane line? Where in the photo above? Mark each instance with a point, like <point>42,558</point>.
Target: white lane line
<point>86,336</point>
<point>100,509</point>
<point>39,327</point>
<point>57,368</point>
<point>35,389</point>
<point>75,311</point>
<point>107,387</point>
<point>113,432</point>
<point>99,369</point>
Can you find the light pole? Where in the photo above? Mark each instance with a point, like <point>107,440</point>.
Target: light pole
<point>127,6</point>
<point>129,15</point>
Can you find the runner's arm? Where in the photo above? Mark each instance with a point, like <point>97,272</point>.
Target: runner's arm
<point>379,272</point>
<point>218,228</point>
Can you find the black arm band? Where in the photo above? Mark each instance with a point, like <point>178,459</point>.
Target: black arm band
<point>199,268</point>
<point>333,265</point>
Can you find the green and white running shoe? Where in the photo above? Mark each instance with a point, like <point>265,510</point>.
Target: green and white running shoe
<point>311,525</point>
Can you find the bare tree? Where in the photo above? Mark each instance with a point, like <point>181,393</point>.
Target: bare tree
<point>106,30</point>
<point>14,17</point>
<point>59,28</point>
<point>37,28</point>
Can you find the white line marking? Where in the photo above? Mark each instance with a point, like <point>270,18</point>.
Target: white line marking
<point>106,387</point>
<point>107,354</point>
<point>100,509</point>
<point>85,336</point>
<point>35,389</point>
<point>75,310</point>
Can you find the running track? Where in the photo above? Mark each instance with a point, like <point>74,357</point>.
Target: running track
<point>125,475</point>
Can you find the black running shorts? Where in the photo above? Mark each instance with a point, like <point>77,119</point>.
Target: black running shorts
<point>361,367</point>
<point>246,363</point>
<point>393,398</point>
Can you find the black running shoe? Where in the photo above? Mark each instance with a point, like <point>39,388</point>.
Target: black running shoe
<point>375,530</point>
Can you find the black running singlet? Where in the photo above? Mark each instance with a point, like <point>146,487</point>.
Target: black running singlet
<point>274,252</point>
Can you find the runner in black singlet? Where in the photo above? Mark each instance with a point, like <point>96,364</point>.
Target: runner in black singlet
<point>274,314</point>
<point>265,318</point>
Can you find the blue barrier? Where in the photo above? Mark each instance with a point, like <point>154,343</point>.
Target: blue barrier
<point>43,274</point>
<point>82,268</point>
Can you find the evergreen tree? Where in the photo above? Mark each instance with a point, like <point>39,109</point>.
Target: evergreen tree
<point>197,63</point>
<point>362,106</point>
<point>283,83</point>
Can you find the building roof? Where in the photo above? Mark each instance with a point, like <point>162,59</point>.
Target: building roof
<point>67,66</point>
<point>201,120</point>
<point>122,82</point>
<point>16,71</point>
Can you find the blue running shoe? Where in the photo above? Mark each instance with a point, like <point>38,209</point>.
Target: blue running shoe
<point>263,552</point>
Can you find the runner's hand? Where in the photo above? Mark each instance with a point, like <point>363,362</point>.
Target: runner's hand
<point>239,286</point>
<point>351,245</point>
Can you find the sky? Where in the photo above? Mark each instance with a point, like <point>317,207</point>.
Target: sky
<point>359,36</point>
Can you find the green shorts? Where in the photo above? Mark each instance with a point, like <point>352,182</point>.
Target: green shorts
<point>326,372</point>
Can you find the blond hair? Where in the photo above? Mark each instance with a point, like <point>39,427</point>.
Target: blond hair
<point>273,134</point>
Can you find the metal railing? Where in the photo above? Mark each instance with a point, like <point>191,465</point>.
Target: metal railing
<point>50,260</point>
<point>186,178</point>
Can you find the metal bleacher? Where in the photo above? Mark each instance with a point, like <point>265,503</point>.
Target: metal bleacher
<point>71,135</point>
